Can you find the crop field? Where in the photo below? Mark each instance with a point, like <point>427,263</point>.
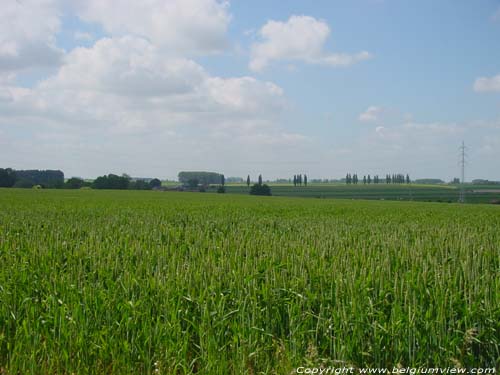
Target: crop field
<point>143,282</point>
<point>412,192</point>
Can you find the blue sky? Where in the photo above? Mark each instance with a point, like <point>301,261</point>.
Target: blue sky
<point>271,87</point>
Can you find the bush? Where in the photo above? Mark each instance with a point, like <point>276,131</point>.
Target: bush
<point>260,190</point>
<point>221,190</point>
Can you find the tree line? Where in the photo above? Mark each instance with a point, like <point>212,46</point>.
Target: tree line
<point>124,182</point>
<point>398,178</point>
<point>54,179</point>
<point>201,178</point>
<point>32,177</point>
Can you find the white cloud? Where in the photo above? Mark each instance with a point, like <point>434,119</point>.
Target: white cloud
<point>300,38</point>
<point>124,104</point>
<point>130,76</point>
<point>245,94</point>
<point>386,116</point>
<point>181,26</point>
<point>371,114</point>
<point>127,66</point>
<point>27,34</point>
<point>487,84</point>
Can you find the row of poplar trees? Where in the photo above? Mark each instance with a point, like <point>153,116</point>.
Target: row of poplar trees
<point>398,178</point>
<point>299,179</point>
<point>259,180</point>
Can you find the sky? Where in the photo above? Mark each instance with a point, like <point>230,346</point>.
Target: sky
<point>324,87</point>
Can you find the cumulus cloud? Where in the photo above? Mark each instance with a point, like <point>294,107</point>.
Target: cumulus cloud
<point>124,94</point>
<point>130,75</point>
<point>181,26</point>
<point>300,38</point>
<point>135,99</point>
<point>126,66</point>
<point>27,34</point>
<point>487,84</point>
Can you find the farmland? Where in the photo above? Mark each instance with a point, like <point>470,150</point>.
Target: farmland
<point>412,192</point>
<point>139,282</point>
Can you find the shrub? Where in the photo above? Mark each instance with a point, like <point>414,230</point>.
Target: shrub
<point>221,190</point>
<point>260,190</point>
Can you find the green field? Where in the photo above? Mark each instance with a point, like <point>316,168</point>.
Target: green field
<point>142,282</point>
<point>412,192</point>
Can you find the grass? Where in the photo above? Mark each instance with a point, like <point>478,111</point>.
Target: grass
<point>141,282</point>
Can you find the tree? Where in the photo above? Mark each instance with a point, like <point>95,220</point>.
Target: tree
<point>45,178</point>
<point>139,185</point>
<point>24,183</point>
<point>407,178</point>
<point>364,180</point>
<point>74,183</point>
<point>222,180</point>
<point>204,178</point>
<point>7,177</point>
<point>369,179</point>
<point>155,183</point>
<point>248,180</point>
<point>294,180</point>
<point>259,189</point>
<point>111,181</point>
<point>305,180</point>
<point>260,179</point>
<point>193,183</point>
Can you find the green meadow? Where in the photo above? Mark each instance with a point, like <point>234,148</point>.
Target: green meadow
<point>143,282</point>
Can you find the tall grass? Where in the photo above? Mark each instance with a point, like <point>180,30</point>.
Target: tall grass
<point>147,283</point>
